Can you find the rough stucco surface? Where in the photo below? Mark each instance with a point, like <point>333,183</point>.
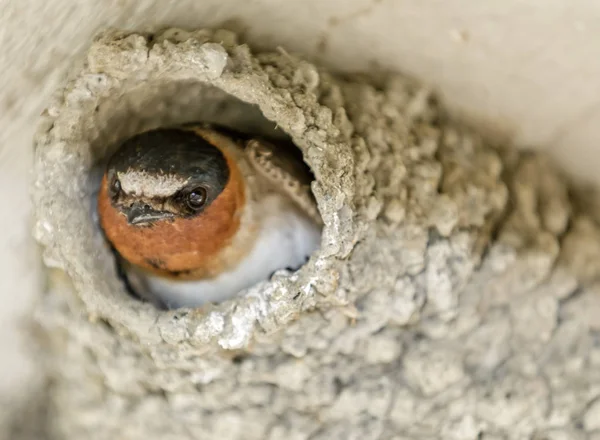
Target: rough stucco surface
<point>454,294</point>
<point>520,69</point>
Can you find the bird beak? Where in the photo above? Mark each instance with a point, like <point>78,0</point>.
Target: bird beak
<point>140,213</point>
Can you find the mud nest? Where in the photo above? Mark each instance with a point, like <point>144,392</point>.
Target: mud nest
<point>453,295</point>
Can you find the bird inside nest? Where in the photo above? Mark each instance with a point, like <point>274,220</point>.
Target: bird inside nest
<point>197,213</point>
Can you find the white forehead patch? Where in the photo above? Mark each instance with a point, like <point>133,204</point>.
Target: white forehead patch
<point>141,183</point>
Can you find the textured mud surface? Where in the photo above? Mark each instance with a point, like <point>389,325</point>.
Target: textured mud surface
<point>454,295</point>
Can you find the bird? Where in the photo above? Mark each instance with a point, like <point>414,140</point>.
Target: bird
<point>196,213</point>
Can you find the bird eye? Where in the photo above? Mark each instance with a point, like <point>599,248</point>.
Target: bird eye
<point>196,198</point>
<point>115,187</point>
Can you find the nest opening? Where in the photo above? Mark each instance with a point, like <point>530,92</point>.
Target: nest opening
<point>155,105</point>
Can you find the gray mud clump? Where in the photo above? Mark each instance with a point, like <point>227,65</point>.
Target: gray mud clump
<point>454,294</point>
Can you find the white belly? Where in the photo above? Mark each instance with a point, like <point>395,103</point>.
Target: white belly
<point>286,239</point>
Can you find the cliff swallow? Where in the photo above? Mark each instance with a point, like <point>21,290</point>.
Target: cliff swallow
<point>197,213</point>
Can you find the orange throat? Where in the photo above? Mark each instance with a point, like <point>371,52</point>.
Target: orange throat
<point>191,248</point>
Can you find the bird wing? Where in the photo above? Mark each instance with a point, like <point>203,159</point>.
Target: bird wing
<point>282,165</point>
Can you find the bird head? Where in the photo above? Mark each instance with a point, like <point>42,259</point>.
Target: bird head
<point>171,199</point>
